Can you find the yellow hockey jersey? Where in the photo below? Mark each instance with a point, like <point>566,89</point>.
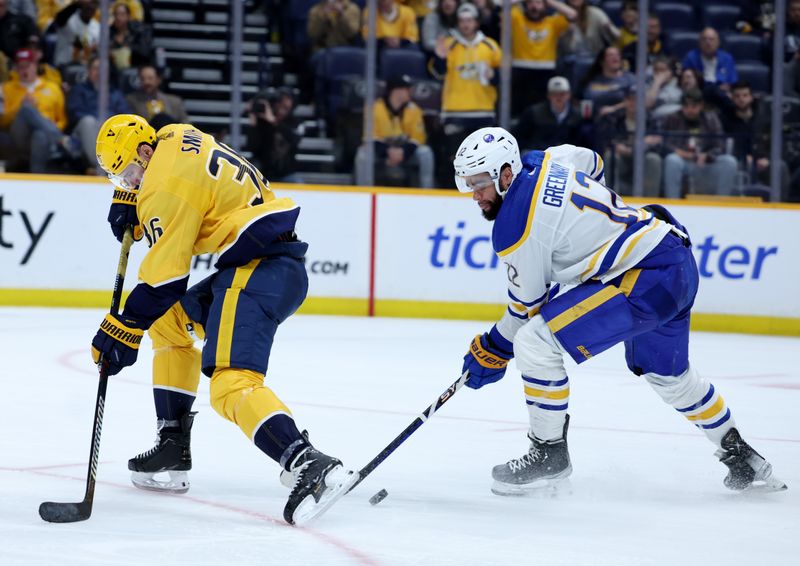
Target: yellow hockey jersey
<point>403,26</point>
<point>198,196</point>
<point>466,88</point>
<point>534,44</point>
<point>48,97</point>
<point>409,123</point>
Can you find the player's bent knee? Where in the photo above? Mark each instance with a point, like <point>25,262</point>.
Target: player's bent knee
<point>239,395</point>
<point>678,389</point>
<point>537,352</point>
<point>175,328</point>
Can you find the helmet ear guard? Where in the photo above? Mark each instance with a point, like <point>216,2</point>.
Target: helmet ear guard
<point>486,150</point>
<point>118,142</point>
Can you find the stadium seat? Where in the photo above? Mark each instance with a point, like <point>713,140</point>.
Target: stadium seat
<point>757,74</point>
<point>676,17</point>
<point>409,62</point>
<point>721,17</point>
<point>427,94</point>
<point>339,65</point>
<point>298,17</point>
<point>580,70</point>
<point>744,47</point>
<point>681,42</point>
<point>128,80</point>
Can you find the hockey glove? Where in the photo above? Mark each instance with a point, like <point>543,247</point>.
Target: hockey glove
<point>116,343</point>
<point>486,360</point>
<point>123,213</point>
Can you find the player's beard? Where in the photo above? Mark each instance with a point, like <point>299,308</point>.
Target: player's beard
<point>493,210</point>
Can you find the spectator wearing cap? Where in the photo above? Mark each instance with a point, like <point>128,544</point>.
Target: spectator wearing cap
<point>655,44</point>
<point>43,69</point>
<point>151,102</point>
<point>467,61</point>
<point>15,30</point>
<point>552,122</point>
<point>534,47</point>
<point>716,65</point>
<point>77,33</point>
<point>400,138</point>
<point>83,110</point>
<point>395,25</point>
<point>615,132</point>
<point>695,142</point>
<point>34,113</point>
<point>591,30</point>
<point>607,82</point>
<point>333,23</point>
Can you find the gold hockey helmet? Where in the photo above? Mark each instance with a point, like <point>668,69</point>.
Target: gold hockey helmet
<point>118,141</point>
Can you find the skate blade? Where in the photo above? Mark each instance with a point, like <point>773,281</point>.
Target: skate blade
<point>543,488</point>
<point>309,509</point>
<point>766,485</point>
<point>178,481</point>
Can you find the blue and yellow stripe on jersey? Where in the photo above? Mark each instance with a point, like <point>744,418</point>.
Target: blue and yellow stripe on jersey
<point>515,220</point>
<point>525,310</point>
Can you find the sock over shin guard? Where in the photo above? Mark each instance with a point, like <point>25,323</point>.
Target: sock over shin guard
<point>697,400</point>
<point>176,363</point>
<point>240,396</point>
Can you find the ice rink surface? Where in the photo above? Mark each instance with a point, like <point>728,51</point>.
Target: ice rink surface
<point>646,488</point>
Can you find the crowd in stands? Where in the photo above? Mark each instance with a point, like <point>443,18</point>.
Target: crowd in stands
<point>708,73</point>
<point>573,64</point>
<point>50,73</point>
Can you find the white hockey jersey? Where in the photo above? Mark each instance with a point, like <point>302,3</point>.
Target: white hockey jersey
<point>559,224</point>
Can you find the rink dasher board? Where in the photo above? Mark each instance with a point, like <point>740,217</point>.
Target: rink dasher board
<point>392,252</point>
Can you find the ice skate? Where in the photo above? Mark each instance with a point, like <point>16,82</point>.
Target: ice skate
<point>544,469</point>
<point>747,469</point>
<point>171,455</point>
<point>320,480</point>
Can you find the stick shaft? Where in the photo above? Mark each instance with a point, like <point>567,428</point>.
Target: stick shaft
<point>97,427</point>
<point>410,429</point>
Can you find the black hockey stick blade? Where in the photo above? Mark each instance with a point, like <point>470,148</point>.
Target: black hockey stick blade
<point>53,512</point>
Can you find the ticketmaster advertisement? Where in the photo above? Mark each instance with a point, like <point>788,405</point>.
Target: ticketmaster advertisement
<point>429,249</point>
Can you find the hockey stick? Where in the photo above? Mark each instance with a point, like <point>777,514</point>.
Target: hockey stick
<point>410,429</point>
<point>53,512</point>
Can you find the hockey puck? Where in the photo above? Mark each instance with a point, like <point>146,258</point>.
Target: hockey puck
<point>378,497</point>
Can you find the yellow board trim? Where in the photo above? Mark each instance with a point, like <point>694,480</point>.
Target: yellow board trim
<point>228,315</point>
<point>532,210</point>
<point>562,394</point>
<point>585,306</point>
<point>701,322</point>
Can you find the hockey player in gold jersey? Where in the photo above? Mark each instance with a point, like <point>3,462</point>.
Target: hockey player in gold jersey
<point>194,196</point>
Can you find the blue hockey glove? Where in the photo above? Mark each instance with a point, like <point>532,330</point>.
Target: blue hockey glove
<point>123,213</point>
<point>116,343</point>
<point>487,359</point>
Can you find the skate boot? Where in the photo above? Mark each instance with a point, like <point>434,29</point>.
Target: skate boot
<point>287,478</point>
<point>747,469</point>
<point>543,468</point>
<point>320,480</point>
<point>172,455</point>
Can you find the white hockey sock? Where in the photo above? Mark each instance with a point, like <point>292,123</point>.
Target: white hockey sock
<point>697,400</point>
<point>547,406</point>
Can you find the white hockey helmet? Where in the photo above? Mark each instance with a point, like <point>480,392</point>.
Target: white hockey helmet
<point>486,151</point>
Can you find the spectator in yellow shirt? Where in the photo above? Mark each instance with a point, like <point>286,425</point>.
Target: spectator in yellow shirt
<point>34,114</point>
<point>399,132</point>
<point>395,25</point>
<point>630,25</point>
<point>468,61</point>
<point>534,46</point>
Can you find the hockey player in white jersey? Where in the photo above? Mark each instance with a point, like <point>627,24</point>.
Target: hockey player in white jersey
<point>634,281</point>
